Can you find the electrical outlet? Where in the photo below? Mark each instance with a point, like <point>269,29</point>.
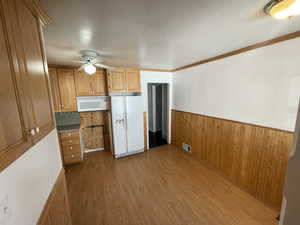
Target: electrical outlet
<point>187,147</point>
<point>5,210</point>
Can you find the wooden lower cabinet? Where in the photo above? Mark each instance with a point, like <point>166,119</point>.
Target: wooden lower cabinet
<point>71,147</point>
<point>88,119</point>
<point>95,130</point>
<point>93,138</point>
<point>57,209</point>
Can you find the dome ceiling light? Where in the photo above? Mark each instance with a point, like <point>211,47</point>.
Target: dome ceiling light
<point>283,9</point>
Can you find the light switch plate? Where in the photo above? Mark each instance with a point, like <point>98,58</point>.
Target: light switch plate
<point>5,210</point>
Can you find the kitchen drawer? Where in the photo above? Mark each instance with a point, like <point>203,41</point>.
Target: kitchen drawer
<point>73,141</point>
<point>73,158</point>
<point>72,149</point>
<point>69,135</point>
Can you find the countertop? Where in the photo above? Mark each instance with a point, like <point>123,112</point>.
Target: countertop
<point>68,128</point>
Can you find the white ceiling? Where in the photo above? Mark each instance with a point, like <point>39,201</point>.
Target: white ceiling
<point>161,34</point>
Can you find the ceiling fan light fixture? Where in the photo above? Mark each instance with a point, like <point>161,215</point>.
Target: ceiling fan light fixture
<point>283,9</point>
<point>90,69</point>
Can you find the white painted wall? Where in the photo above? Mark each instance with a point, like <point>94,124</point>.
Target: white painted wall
<point>156,77</point>
<point>29,180</point>
<point>260,87</point>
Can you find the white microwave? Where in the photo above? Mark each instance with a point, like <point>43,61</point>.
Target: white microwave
<point>92,103</point>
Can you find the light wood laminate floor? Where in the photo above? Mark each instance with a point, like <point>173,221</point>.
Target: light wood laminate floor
<point>163,186</point>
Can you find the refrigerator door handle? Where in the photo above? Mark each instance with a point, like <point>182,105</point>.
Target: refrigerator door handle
<point>123,122</point>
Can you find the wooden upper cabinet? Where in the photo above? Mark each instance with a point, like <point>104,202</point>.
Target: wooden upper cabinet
<point>83,83</point>
<point>99,83</point>
<point>36,81</point>
<point>26,109</point>
<point>133,81</point>
<point>124,80</point>
<point>67,91</point>
<point>90,85</point>
<point>116,81</point>
<point>14,139</point>
<point>55,89</point>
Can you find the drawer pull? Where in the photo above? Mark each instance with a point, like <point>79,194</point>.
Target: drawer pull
<point>70,141</point>
<point>71,147</point>
<point>73,156</point>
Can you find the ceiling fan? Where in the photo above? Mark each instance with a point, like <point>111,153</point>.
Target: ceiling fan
<point>91,59</point>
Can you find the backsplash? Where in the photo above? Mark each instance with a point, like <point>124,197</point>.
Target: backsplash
<point>67,118</point>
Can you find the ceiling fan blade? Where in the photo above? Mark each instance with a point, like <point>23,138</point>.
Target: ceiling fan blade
<point>103,66</point>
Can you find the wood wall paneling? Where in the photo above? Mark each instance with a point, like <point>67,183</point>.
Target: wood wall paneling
<point>253,157</point>
<point>57,209</point>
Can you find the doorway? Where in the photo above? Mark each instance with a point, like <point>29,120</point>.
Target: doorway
<point>158,114</point>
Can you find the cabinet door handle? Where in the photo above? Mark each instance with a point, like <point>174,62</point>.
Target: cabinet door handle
<point>73,156</point>
<point>71,147</point>
<point>62,105</point>
<point>32,132</point>
<point>37,129</point>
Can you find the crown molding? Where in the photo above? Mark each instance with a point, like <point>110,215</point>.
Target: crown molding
<point>242,50</point>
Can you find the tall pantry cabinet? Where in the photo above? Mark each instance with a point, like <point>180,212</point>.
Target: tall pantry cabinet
<point>25,101</point>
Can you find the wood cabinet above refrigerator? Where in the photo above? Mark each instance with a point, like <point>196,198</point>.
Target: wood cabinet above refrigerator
<point>124,80</point>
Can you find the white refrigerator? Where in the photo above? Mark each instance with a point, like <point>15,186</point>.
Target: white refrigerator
<point>127,125</point>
